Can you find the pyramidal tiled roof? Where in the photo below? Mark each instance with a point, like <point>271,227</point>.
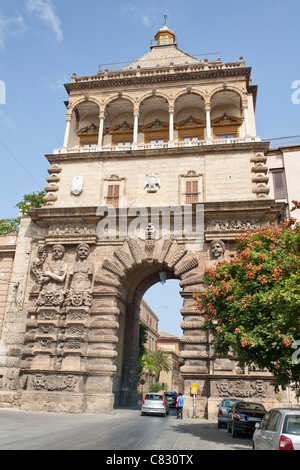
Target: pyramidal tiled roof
<point>162,56</point>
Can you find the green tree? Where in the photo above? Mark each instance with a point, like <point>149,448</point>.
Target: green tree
<point>252,303</point>
<point>143,336</point>
<point>30,201</point>
<point>161,361</point>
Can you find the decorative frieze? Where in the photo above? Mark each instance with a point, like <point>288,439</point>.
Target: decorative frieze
<point>55,383</point>
<point>242,388</point>
<point>232,224</point>
<point>71,230</point>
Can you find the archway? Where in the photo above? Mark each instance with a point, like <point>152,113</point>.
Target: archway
<point>147,276</point>
<point>142,262</point>
<point>160,315</point>
<point>165,300</point>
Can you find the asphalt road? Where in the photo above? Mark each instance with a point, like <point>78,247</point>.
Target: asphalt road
<point>123,430</point>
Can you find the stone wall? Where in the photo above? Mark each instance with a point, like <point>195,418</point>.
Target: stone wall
<point>7,253</point>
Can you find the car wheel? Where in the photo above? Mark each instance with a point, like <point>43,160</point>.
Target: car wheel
<point>228,427</point>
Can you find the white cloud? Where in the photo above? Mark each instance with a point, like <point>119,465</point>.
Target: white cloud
<point>147,12</point>
<point>146,20</point>
<point>46,12</point>
<point>6,120</point>
<point>13,26</point>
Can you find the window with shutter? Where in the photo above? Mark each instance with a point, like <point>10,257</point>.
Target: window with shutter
<point>113,195</point>
<point>279,184</point>
<point>191,192</point>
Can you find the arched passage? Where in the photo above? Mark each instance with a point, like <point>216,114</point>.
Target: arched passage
<point>165,300</point>
<point>138,264</point>
<point>128,348</point>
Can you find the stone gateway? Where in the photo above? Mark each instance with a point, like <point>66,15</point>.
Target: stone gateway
<point>160,170</point>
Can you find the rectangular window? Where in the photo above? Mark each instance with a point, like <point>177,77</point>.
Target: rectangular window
<point>113,195</point>
<point>226,136</point>
<point>157,141</point>
<point>124,143</point>
<point>191,192</point>
<point>279,184</point>
<point>191,139</point>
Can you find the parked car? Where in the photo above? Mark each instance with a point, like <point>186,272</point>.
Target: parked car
<point>224,410</point>
<point>155,403</point>
<point>278,430</point>
<point>171,398</point>
<point>244,416</point>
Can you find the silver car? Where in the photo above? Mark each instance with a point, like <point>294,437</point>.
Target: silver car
<point>155,403</point>
<point>278,430</point>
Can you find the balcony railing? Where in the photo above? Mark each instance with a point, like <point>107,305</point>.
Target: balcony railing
<point>153,146</point>
<point>117,71</point>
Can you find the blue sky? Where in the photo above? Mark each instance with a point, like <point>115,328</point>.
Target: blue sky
<point>42,42</point>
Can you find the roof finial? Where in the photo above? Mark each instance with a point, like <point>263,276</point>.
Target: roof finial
<point>165,20</point>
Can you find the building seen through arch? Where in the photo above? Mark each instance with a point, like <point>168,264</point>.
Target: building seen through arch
<point>160,169</point>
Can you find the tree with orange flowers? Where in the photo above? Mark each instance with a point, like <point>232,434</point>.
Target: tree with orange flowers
<point>252,302</point>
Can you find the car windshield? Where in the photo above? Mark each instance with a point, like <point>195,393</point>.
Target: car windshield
<point>292,425</point>
<point>228,403</point>
<point>250,406</point>
<point>150,396</point>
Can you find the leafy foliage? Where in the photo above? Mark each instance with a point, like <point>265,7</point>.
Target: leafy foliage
<point>143,336</point>
<point>8,226</point>
<point>156,361</point>
<point>252,302</point>
<point>30,201</point>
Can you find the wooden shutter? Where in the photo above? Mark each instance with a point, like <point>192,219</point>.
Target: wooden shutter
<point>113,195</point>
<point>191,192</point>
<point>194,191</point>
<point>279,184</point>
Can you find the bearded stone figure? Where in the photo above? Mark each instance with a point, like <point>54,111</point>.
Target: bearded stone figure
<point>81,278</point>
<point>53,278</point>
<point>82,271</point>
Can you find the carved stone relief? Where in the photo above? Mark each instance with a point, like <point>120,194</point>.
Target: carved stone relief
<point>217,249</point>
<point>65,294</point>
<point>232,224</point>
<point>242,388</point>
<point>52,278</point>
<point>55,383</point>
